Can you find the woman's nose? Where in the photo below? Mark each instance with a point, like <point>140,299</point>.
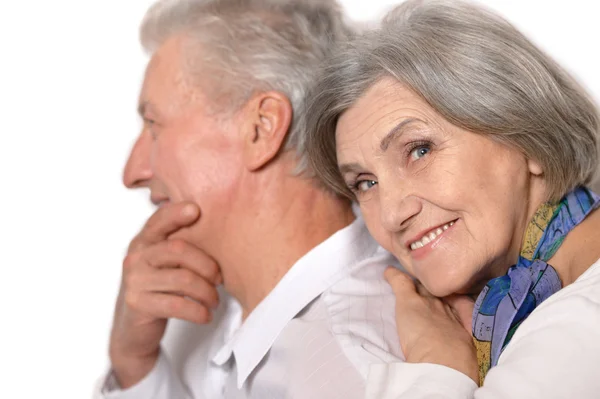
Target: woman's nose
<point>398,208</point>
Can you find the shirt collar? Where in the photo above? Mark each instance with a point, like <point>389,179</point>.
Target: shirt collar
<point>337,257</point>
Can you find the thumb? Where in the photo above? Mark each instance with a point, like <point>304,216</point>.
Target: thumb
<point>400,282</point>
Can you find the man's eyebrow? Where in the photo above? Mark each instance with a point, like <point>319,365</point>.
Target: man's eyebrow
<point>142,108</point>
<point>396,132</point>
<point>146,107</point>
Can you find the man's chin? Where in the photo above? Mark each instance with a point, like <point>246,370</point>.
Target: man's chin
<point>188,234</point>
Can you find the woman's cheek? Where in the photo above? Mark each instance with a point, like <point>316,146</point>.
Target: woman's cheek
<point>372,219</point>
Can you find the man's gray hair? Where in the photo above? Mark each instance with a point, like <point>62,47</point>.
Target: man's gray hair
<point>235,48</point>
<point>478,72</point>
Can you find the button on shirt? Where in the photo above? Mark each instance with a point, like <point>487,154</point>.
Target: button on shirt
<point>314,336</point>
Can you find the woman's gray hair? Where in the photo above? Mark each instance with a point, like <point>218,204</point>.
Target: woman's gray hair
<point>477,71</point>
<point>246,46</point>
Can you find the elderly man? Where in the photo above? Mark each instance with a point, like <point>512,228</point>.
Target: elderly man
<point>304,308</point>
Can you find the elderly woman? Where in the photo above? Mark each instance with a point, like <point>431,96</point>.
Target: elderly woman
<point>469,151</point>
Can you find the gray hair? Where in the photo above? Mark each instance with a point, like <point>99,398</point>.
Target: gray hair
<point>477,71</point>
<point>247,46</point>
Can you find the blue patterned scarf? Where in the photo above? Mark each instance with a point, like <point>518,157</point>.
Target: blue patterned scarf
<point>506,301</point>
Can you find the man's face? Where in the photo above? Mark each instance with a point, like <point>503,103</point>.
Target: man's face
<point>184,152</point>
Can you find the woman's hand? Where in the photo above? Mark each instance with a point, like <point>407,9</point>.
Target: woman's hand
<point>433,330</point>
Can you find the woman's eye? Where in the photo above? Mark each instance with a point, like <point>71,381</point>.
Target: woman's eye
<point>419,152</point>
<point>365,185</point>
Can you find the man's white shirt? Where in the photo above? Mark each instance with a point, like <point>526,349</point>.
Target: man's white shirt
<point>314,336</point>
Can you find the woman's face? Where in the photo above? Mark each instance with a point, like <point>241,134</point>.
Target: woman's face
<point>451,205</point>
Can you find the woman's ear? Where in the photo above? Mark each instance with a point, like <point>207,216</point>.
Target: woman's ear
<point>270,116</point>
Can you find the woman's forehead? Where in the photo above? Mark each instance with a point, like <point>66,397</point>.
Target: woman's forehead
<point>386,103</point>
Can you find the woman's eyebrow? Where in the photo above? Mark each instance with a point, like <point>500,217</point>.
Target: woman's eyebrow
<point>350,167</point>
<point>396,132</point>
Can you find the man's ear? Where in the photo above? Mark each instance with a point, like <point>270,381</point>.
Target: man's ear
<point>269,116</point>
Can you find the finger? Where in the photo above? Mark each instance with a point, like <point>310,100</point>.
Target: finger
<point>165,221</point>
<point>183,282</point>
<point>401,283</point>
<point>462,306</point>
<point>166,306</point>
<point>179,253</point>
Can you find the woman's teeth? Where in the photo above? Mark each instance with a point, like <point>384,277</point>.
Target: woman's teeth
<point>427,238</point>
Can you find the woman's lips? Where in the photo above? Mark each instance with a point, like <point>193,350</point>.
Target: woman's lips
<point>430,236</point>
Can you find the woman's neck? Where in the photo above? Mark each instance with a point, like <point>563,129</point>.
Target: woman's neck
<point>579,250</point>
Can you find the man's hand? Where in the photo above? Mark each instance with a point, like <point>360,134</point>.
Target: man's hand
<point>433,330</point>
<point>162,278</point>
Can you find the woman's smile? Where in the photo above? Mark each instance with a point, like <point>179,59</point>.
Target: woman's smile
<point>430,237</point>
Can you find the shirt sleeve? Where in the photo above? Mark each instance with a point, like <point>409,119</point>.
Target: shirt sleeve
<point>161,383</point>
<point>554,354</point>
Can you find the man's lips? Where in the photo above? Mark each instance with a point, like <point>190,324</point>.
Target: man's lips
<point>159,201</point>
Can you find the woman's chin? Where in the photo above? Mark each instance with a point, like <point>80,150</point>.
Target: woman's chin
<point>439,290</point>
<point>442,284</point>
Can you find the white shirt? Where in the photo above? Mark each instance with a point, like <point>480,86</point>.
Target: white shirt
<point>555,353</point>
<point>314,336</point>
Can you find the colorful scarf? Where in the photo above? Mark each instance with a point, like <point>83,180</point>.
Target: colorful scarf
<point>506,301</point>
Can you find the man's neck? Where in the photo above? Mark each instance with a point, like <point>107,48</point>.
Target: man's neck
<point>281,227</point>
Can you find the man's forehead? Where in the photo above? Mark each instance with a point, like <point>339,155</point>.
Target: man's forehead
<point>165,62</point>
<point>158,69</point>
<point>161,75</point>
<point>167,82</point>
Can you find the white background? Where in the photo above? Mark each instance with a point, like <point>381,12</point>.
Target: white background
<point>70,71</point>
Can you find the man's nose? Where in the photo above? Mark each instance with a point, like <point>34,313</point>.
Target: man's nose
<point>398,208</point>
<point>138,170</point>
